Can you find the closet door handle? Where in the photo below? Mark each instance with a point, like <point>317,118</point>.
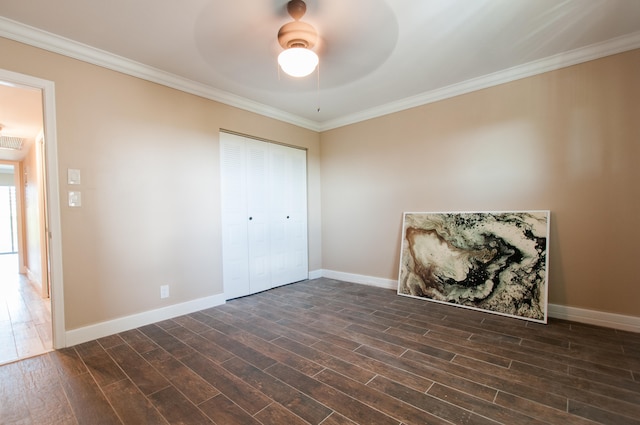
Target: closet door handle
<point>250,218</point>
<point>287,217</point>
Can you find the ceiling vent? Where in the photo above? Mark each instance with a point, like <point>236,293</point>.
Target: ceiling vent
<point>8,142</point>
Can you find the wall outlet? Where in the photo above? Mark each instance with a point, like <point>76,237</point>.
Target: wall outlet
<point>164,291</point>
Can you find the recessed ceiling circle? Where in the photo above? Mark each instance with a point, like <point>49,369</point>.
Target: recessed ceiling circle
<point>349,47</point>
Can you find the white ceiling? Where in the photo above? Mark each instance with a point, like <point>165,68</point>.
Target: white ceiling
<point>20,116</point>
<point>376,56</point>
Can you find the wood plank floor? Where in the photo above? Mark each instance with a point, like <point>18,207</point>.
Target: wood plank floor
<point>25,317</point>
<point>331,353</point>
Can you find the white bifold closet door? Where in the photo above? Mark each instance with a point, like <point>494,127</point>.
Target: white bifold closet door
<point>288,214</point>
<point>264,215</point>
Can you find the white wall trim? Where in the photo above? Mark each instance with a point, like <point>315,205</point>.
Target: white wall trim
<point>31,277</point>
<point>99,330</point>
<point>111,327</point>
<point>315,274</point>
<point>45,40</point>
<point>552,63</point>
<point>53,195</point>
<point>358,278</point>
<point>593,317</point>
<point>580,315</point>
<point>17,31</point>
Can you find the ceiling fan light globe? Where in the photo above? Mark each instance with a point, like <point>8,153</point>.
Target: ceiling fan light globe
<point>298,61</point>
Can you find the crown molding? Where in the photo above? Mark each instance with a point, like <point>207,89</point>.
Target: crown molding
<point>38,38</point>
<point>45,40</point>
<point>551,63</point>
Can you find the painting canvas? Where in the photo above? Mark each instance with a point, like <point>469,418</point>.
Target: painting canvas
<point>489,261</point>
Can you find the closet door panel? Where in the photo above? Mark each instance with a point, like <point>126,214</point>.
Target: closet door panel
<point>258,215</point>
<point>297,237</point>
<point>279,206</point>
<point>288,214</point>
<point>235,255</point>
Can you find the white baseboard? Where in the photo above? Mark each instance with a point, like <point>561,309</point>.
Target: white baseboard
<point>580,315</point>
<point>100,330</point>
<point>358,278</point>
<point>594,317</point>
<point>315,274</point>
<point>32,278</point>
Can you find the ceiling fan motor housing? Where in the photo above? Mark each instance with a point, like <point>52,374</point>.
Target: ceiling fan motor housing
<point>297,34</point>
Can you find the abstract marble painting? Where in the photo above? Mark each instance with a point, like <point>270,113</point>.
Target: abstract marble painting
<point>490,261</point>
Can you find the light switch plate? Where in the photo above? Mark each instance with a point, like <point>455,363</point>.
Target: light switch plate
<point>73,176</point>
<point>75,198</point>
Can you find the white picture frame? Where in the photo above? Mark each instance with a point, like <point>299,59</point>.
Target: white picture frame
<point>493,261</point>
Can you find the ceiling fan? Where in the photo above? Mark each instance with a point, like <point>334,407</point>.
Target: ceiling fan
<point>297,38</point>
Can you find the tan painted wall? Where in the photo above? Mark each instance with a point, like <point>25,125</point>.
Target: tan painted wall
<point>33,225</point>
<point>567,141</point>
<point>150,185</point>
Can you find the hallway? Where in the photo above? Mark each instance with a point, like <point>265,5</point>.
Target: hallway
<point>25,318</point>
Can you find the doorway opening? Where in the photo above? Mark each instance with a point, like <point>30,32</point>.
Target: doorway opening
<point>27,325</point>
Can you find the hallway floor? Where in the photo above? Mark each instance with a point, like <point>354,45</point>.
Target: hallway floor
<point>25,318</point>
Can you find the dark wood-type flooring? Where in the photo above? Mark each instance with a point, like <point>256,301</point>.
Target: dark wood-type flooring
<point>329,352</point>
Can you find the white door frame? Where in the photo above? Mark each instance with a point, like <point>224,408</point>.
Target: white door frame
<point>53,196</point>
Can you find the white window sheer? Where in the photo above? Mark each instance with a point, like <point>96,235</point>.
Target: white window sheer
<point>8,222</point>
